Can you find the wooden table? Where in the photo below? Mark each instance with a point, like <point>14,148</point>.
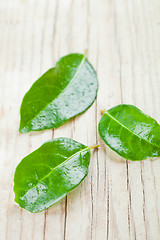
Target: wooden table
<point>119,200</point>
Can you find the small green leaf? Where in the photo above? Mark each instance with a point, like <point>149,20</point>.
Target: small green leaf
<point>46,175</point>
<point>131,133</point>
<point>61,93</point>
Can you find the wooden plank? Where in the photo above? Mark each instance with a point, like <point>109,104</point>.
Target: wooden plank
<point>118,199</point>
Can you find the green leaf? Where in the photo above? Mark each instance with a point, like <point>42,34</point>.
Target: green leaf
<point>46,175</point>
<point>61,93</point>
<point>131,133</point>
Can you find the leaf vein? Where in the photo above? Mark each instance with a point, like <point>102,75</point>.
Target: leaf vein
<point>84,149</point>
<point>73,78</point>
<point>107,113</point>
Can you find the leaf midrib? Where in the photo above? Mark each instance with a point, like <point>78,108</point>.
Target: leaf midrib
<point>107,113</point>
<point>58,166</point>
<point>73,78</point>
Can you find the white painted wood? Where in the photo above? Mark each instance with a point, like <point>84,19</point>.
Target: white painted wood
<point>118,200</point>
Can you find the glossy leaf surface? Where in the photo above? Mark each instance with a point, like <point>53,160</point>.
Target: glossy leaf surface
<point>131,133</point>
<point>61,93</point>
<point>46,175</point>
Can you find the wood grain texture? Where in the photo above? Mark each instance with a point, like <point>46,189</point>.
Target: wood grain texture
<point>119,200</point>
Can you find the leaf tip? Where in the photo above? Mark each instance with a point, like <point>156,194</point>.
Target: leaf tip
<point>23,129</point>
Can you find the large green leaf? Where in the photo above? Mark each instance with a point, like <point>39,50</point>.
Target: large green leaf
<point>61,93</point>
<point>46,175</point>
<point>131,133</point>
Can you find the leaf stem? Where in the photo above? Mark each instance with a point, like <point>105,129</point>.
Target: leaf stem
<point>85,52</point>
<point>103,111</point>
<point>94,146</point>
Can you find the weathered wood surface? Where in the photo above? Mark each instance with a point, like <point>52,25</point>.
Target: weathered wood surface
<point>119,200</point>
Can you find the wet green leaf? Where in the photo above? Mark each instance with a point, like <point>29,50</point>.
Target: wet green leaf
<point>61,93</point>
<point>46,175</point>
<point>131,133</point>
